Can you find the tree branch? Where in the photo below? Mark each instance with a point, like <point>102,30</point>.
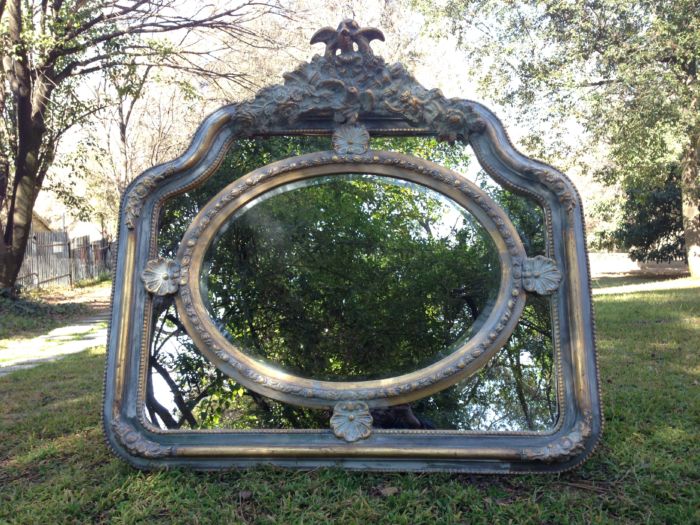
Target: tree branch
<point>153,404</point>
<point>177,395</point>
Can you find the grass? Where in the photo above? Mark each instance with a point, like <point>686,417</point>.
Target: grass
<point>608,281</point>
<point>55,468</point>
<point>102,277</point>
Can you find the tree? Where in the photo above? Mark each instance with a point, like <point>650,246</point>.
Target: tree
<point>49,52</point>
<point>150,114</point>
<point>149,121</point>
<point>626,71</point>
<point>650,226</point>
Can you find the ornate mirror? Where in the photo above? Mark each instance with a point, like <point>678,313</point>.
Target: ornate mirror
<point>317,282</point>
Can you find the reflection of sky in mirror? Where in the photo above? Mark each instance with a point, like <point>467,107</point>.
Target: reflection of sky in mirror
<point>451,214</point>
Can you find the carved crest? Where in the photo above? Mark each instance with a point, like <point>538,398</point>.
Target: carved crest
<point>343,38</point>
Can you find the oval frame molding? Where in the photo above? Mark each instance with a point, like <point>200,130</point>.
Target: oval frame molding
<point>278,384</point>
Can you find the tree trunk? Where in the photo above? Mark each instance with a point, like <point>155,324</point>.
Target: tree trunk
<point>30,94</point>
<point>14,242</point>
<point>690,187</point>
<point>10,264</point>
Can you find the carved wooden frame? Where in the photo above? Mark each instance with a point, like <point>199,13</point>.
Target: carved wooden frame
<point>354,92</point>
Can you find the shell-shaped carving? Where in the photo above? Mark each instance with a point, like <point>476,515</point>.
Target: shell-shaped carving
<point>351,140</point>
<point>161,276</point>
<point>351,420</point>
<point>541,275</point>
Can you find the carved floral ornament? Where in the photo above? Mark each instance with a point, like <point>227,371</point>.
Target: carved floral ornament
<point>351,421</point>
<point>160,277</point>
<point>351,140</point>
<point>351,93</point>
<point>541,275</point>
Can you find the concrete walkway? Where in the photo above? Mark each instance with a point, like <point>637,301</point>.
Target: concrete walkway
<point>84,334</point>
<point>75,337</point>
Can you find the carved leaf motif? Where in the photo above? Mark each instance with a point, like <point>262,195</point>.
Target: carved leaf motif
<point>136,443</point>
<point>555,183</point>
<point>541,275</point>
<point>564,448</point>
<point>351,421</point>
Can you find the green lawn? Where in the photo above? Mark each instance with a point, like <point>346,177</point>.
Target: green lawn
<point>55,467</point>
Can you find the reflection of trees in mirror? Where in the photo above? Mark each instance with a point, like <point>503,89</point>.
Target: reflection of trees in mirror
<point>247,155</point>
<point>515,391</point>
<point>351,277</point>
<point>185,391</point>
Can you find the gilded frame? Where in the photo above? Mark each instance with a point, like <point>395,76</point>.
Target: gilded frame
<point>353,87</point>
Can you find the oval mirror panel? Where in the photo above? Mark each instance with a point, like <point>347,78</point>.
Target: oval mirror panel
<point>350,277</point>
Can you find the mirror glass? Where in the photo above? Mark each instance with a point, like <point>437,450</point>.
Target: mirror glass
<point>350,277</point>
<point>515,391</point>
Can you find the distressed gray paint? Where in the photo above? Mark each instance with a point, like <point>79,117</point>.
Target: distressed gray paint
<point>349,88</point>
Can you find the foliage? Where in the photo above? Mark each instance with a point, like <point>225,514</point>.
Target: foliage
<point>621,76</point>
<point>50,53</point>
<point>350,278</point>
<point>57,469</point>
<point>651,226</point>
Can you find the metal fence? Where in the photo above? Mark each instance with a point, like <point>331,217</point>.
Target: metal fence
<point>52,259</point>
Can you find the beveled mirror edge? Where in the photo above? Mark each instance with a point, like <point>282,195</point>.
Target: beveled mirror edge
<point>581,414</point>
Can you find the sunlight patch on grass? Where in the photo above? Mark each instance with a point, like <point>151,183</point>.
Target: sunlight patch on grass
<point>646,286</point>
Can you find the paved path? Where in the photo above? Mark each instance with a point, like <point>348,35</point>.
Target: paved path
<point>87,333</point>
<point>78,336</point>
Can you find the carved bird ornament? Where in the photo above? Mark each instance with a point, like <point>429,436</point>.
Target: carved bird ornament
<point>344,38</point>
